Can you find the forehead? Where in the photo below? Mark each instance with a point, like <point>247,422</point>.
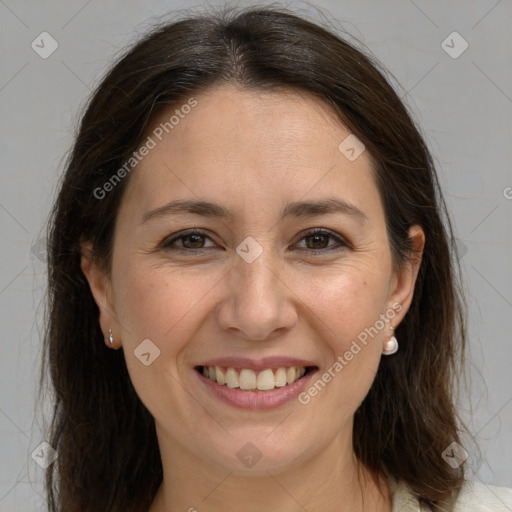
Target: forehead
<point>248,144</point>
<point>231,117</point>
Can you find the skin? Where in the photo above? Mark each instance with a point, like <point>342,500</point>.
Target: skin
<point>253,152</point>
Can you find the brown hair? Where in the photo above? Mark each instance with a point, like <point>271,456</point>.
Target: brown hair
<point>108,452</point>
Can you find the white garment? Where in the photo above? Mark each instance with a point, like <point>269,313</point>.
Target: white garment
<point>474,497</point>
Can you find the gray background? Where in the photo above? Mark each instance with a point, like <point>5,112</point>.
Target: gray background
<point>463,106</point>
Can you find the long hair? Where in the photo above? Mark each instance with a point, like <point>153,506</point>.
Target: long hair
<point>109,458</point>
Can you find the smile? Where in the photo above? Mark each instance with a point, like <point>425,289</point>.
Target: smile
<point>256,385</point>
<point>251,380</point>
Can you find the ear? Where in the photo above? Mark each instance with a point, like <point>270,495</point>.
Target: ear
<point>402,283</point>
<point>101,290</point>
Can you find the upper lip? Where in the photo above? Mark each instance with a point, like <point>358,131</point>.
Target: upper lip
<point>257,364</point>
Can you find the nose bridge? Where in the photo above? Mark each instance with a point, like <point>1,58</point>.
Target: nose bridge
<point>258,279</point>
<point>257,304</point>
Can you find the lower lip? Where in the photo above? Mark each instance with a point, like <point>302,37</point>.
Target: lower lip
<point>257,400</point>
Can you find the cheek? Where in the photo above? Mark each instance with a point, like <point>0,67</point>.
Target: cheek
<point>347,301</point>
<point>166,307</point>
<point>162,304</point>
<point>151,300</point>
<point>350,305</point>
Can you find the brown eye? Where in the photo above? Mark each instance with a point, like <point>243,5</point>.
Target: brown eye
<point>192,240</point>
<point>317,241</point>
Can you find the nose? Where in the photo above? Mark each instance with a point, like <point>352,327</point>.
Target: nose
<point>258,305</point>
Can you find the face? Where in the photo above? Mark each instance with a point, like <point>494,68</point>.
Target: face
<point>294,300</point>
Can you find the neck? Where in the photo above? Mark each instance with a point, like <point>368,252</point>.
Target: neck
<point>332,481</point>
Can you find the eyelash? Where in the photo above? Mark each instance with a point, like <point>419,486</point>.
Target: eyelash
<point>312,232</point>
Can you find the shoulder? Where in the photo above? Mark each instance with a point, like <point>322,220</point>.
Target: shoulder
<point>474,496</point>
<point>479,497</point>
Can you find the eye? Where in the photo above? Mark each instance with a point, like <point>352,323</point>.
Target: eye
<point>317,239</point>
<point>193,240</point>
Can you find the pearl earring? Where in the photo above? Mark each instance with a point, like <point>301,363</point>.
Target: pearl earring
<point>391,346</point>
<point>110,337</point>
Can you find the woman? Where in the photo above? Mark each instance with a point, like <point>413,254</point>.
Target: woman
<point>252,217</point>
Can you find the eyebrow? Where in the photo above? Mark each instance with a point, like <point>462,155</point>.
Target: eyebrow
<point>295,209</point>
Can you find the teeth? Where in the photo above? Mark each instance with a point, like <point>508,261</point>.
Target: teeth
<point>231,378</point>
<point>265,380</point>
<point>280,378</point>
<point>219,376</point>
<point>246,379</point>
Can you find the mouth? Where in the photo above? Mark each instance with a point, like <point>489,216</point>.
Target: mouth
<point>247,379</point>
